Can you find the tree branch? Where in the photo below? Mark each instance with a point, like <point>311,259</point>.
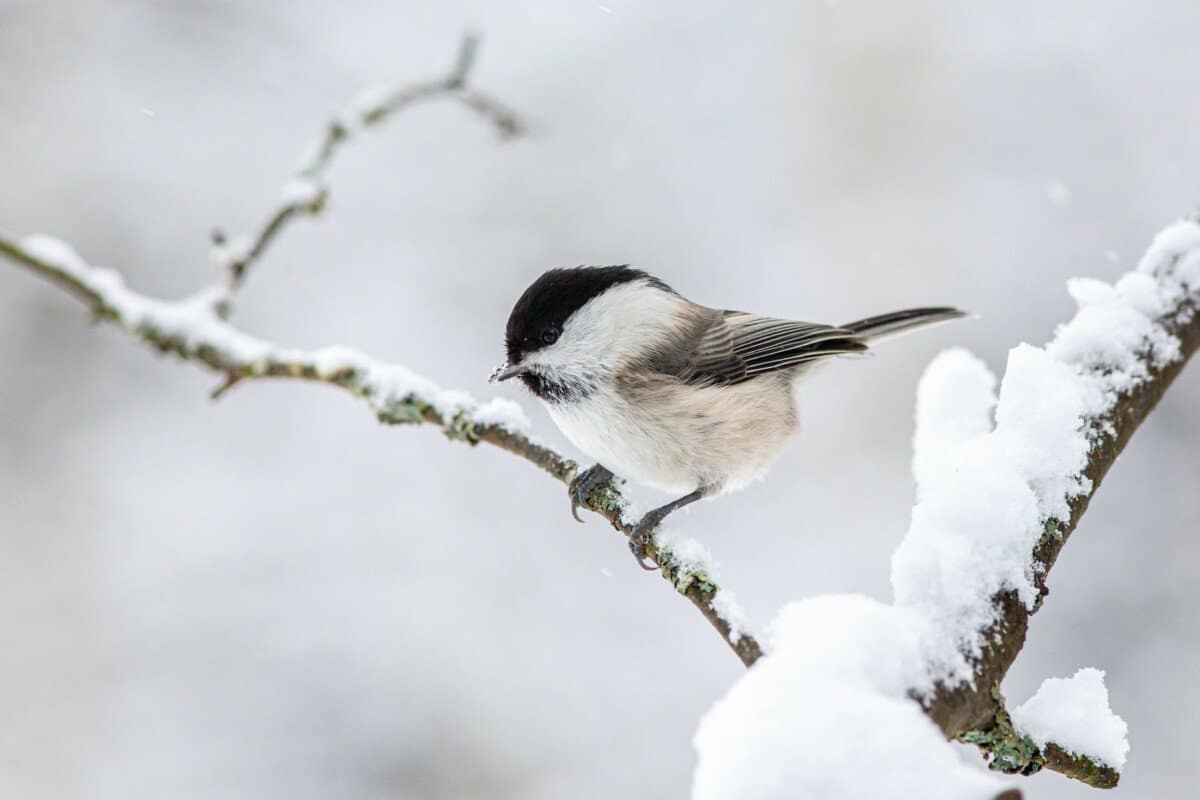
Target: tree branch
<point>306,194</point>
<point>196,329</point>
<point>975,711</point>
<point>1011,752</point>
<point>1002,479</point>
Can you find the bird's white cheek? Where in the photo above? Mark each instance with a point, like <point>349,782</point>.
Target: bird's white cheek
<point>570,358</point>
<point>610,329</point>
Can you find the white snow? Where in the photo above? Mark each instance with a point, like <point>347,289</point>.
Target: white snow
<point>390,383</point>
<point>1114,329</point>
<point>1174,257</point>
<point>691,555</point>
<point>826,715</point>
<point>55,252</point>
<point>725,603</point>
<point>302,192</point>
<point>828,712</point>
<point>503,413</point>
<point>451,402</point>
<point>985,494</point>
<point>1074,714</point>
<point>335,359</point>
<point>955,401</point>
<point>695,560</point>
<point>194,322</point>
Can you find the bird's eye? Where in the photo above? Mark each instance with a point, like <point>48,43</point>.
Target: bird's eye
<point>550,336</point>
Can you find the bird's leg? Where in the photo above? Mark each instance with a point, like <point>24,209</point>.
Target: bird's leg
<point>583,484</point>
<point>645,526</point>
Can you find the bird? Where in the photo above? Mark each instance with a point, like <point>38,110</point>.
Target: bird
<point>665,392</point>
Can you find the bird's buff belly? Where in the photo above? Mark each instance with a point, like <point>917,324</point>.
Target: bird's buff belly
<point>675,453</point>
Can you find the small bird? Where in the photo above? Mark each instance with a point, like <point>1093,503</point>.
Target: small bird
<point>665,392</point>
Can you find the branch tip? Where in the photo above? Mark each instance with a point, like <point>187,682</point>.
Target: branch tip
<point>973,713</point>
<point>231,380</point>
<point>467,52</point>
<point>305,195</point>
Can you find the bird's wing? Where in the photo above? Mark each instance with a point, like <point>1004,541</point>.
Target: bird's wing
<point>737,346</point>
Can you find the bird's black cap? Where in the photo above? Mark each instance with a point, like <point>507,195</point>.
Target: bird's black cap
<point>554,297</point>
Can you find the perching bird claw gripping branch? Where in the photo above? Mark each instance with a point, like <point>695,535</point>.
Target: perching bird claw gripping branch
<point>196,329</point>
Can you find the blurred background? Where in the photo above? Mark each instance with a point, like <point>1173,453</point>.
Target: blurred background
<point>274,596</point>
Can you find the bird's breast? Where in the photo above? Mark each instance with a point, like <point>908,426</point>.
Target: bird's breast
<point>679,438</point>
<point>628,442</point>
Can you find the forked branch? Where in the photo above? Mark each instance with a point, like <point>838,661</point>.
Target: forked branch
<point>196,329</point>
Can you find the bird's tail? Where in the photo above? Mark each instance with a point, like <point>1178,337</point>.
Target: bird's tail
<point>885,326</point>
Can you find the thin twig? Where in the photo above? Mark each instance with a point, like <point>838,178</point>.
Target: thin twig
<point>225,385</point>
<point>306,195</point>
<point>195,329</point>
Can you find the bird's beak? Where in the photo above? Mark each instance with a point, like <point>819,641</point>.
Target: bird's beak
<point>505,371</point>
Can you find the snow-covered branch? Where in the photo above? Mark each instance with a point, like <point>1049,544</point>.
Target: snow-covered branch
<point>1067,412</point>
<point>1003,480</point>
<point>197,329</point>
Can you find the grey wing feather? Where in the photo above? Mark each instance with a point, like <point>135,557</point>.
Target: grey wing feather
<point>736,347</point>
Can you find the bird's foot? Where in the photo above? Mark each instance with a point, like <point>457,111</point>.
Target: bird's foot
<point>583,485</point>
<point>640,536</point>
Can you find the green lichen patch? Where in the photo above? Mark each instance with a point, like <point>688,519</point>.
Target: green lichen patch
<point>407,411</point>
<point>605,499</point>
<point>1007,750</point>
<point>462,428</point>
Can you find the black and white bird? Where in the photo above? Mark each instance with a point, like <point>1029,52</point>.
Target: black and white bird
<point>665,392</point>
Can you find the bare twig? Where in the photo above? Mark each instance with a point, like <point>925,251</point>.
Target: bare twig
<point>306,195</point>
<point>225,385</point>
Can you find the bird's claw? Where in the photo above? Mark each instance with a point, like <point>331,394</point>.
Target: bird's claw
<point>583,484</point>
<point>639,537</point>
<point>637,546</point>
<point>586,482</point>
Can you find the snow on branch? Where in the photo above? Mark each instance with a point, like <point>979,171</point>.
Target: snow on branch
<point>1003,480</point>
<point>1074,714</point>
<point>194,330</point>
<point>1120,353</point>
<point>197,329</point>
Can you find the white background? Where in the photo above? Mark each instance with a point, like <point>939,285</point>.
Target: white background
<point>274,597</point>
